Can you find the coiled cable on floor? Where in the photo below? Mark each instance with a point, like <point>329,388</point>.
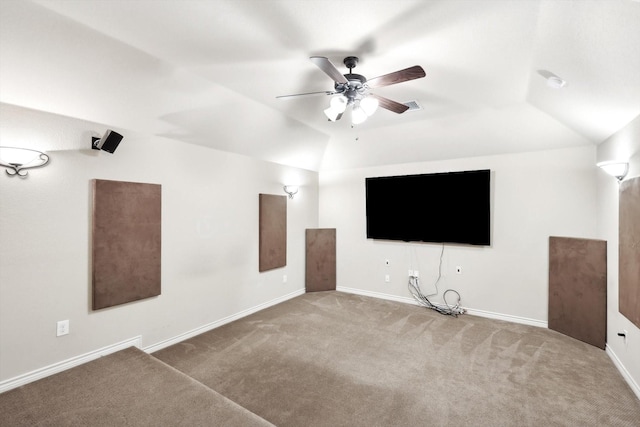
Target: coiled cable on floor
<point>455,310</point>
<point>423,300</point>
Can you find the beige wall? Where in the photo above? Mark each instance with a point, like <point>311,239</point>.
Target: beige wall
<point>535,195</point>
<point>209,239</point>
<point>625,146</point>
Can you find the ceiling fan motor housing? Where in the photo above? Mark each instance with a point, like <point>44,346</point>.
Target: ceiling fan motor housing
<point>350,62</point>
<point>355,85</point>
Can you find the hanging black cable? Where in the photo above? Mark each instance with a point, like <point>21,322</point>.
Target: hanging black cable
<point>423,300</point>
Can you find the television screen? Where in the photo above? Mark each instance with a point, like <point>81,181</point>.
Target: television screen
<point>452,207</point>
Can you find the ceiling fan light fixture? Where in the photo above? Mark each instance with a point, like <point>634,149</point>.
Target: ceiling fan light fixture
<point>339,103</point>
<point>332,114</point>
<point>369,105</point>
<point>358,115</point>
<point>352,89</point>
<point>336,107</point>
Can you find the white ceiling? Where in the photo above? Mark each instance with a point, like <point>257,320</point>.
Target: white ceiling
<point>208,72</point>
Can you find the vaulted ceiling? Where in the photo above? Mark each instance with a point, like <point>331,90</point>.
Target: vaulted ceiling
<point>207,72</point>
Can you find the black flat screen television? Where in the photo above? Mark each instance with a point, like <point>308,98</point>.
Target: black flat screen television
<point>452,207</point>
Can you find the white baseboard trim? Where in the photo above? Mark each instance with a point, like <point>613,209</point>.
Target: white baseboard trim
<point>209,326</point>
<point>474,312</point>
<point>625,374</point>
<point>380,295</point>
<point>508,318</point>
<point>55,368</point>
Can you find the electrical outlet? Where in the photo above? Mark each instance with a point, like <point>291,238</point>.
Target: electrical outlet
<point>625,336</point>
<point>410,273</point>
<point>459,269</point>
<point>284,278</point>
<point>387,278</point>
<point>416,273</point>
<point>62,328</point>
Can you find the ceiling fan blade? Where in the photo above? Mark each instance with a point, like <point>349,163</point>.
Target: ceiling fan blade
<point>329,69</point>
<point>322,92</point>
<point>407,74</point>
<point>390,105</point>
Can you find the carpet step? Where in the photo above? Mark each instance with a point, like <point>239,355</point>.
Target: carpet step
<point>126,388</point>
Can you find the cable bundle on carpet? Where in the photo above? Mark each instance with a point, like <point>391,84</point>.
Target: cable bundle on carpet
<point>423,300</point>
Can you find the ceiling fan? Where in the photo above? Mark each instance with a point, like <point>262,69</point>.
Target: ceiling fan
<point>353,90</point>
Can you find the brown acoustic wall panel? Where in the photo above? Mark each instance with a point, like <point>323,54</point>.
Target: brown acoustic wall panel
<point>320,271</point>
<point>629,251</point>
<point>272,232</point>
<point>578,288</point>
<point>126,242</point>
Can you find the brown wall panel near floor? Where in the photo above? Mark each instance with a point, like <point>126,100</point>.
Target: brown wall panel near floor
<point>578,288</point>
<point>629,247</point>
<point>320,260</point>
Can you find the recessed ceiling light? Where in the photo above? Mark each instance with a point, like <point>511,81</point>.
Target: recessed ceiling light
<point>556,82</point>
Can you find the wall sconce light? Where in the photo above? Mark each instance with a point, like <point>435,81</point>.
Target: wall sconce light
<point>290,190</point>
<point>614,168</point>
<point>109,141</point>
<point>17,160</point>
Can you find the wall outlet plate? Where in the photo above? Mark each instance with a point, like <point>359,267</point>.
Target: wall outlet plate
<point>62,328</point>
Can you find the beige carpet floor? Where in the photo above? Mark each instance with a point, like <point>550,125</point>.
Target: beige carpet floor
<point>127,388</point>
<point>336,359</point>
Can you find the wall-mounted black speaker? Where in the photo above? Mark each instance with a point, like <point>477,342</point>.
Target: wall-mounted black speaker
<point>109,141</point>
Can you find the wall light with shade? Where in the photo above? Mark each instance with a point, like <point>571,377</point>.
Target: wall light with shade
<point>18,160</point>
<point>291,190</point>
<point>615,168</point>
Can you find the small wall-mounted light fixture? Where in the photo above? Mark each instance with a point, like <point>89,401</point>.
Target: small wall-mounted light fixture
<point>614,168</point>
<point>290,190</point>
<point>18,160</point>
<point>109,141</point>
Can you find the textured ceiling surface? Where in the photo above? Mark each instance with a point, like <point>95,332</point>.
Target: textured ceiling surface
<point>207,72</point>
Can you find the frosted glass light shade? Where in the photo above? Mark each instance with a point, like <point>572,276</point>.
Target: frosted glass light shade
<point>339,103</point>
<point>358,115</point>
<point>369,105</point>
<point>336,107</point>
<point>331,113</point>
<point>614,168</point>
